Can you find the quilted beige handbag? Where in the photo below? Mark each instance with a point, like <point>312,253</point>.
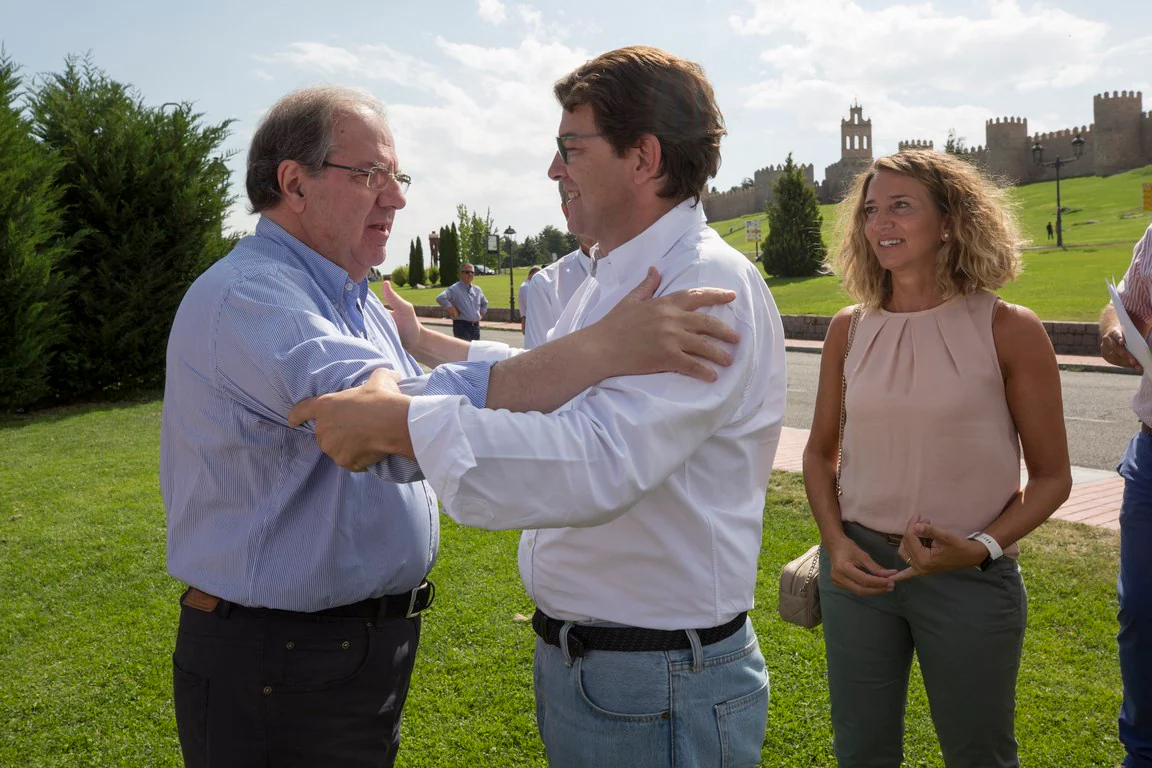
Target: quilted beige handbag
<point>799,588</point>
<point>799,593</point>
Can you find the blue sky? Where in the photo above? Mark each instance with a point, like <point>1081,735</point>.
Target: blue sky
<point>468,82</point>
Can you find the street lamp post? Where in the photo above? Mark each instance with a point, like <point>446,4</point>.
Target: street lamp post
<point>511,234</point>
<point>1038,158</point>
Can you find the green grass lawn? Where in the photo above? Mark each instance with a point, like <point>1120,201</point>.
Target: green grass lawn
<point>88,619</point>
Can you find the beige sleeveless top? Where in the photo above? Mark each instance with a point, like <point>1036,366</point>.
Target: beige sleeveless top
<point>928,428</point>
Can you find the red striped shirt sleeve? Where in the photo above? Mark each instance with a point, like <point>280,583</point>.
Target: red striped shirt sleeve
<point>1136,288</point>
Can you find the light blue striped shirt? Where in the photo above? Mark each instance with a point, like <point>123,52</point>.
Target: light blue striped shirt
<point>256,513</point>
<point>469,301</point>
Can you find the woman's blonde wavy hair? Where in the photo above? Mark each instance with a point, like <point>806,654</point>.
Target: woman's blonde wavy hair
<point>983,252</point>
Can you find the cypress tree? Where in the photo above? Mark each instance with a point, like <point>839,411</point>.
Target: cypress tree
<point>33,289</point>
<point>793,246</point>
<point>416,263</point>
<point>149,188</point>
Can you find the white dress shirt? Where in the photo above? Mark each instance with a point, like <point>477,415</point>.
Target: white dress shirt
<point>644,495</point>
<point>549,292</point>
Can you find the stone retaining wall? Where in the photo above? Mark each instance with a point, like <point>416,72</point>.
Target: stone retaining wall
<point>1067,338</point>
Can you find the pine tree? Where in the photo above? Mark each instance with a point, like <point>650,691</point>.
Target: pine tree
<point>793,246</point>
<point>33,288</point>
<point>416,264</point>
<point>149,188</point>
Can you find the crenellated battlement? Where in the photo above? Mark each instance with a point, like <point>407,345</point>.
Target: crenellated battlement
<point>1084,132</point>
<point>915,144</point>
<point>1118,96</point>
<point>1007,121</point>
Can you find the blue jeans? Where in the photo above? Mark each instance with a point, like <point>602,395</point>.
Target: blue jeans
<point>702,706</point>
<point>1134,587</point>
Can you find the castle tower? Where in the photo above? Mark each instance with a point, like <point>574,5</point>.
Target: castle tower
<point>856,136</point>
<point>1009,150</point>
<point>1118,132</point>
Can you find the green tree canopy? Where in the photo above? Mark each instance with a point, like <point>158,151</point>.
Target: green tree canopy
<point>33,288</point>
<point>793,246</point>
<point>149,186</point>
<point>416,263</point>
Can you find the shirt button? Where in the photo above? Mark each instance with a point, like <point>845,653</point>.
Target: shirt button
<point>267,690</point>
<point>349,286</point>
<point>290,645</point>
<point>345,645</point>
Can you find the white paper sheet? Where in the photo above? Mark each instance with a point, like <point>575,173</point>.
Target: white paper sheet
<point>1132,338</point>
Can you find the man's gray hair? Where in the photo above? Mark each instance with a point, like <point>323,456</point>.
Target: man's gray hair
<point>299,127</point>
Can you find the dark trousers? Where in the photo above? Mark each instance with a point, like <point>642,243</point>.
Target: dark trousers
<point>273,689</point>
<point>466,329</point>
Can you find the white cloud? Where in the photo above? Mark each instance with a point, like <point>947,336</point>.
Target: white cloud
<point>472,123</point>
<point>913,46</point>
<point>492,11</point>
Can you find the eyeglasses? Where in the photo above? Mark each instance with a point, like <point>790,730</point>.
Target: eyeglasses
<point>563,149</point>
<point>467,272</point>
<point>379,177</point>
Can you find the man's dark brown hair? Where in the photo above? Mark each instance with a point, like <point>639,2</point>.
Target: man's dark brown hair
<point>637,90</point>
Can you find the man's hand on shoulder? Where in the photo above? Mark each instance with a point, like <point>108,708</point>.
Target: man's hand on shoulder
<point>359,426</point>
<point>666,334</point>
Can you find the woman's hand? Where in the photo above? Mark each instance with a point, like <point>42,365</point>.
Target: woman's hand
<point>852,569</point>
<point>946,551</point>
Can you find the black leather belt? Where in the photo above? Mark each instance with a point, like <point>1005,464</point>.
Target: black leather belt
<point>582,638</point>
<point>403,606</point>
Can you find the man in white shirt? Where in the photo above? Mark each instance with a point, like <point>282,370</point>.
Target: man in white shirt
<point>552,289</point>
<point>523,292</point>
<point>642,498</point>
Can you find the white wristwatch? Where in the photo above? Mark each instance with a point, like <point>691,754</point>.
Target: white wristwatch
<point>994,550</point>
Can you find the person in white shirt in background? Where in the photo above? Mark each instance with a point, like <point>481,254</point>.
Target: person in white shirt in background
<point>535,270</point>
<point>642,499</point>
<point>552,289</point>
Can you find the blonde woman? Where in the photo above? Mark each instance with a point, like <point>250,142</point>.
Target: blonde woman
<point>944,383</point>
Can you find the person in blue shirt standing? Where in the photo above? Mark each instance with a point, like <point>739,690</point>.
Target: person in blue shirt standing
<point>466,304</point>
<point>306,582</point>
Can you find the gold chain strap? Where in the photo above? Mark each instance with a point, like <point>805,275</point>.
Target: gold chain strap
<point>856,312</point>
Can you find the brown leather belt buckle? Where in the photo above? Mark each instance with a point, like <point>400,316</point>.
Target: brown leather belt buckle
<point>201,601</point>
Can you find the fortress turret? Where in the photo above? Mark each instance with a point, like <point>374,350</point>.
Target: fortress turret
<point>1009,148</point>
<point>1117,131</point>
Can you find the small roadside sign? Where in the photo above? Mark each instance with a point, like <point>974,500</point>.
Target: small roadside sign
<point>1147,196</point>
<point>751,230</point>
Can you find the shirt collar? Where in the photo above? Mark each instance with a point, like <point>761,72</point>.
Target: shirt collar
<point>331,278</point>
<point>629,262</point>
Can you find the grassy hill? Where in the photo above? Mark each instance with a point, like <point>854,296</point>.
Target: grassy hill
<point>1102,222</point>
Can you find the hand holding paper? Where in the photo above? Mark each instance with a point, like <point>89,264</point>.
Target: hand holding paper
<point>1133,340</point>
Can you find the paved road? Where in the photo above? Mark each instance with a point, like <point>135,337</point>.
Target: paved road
<point>1096,406</point>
